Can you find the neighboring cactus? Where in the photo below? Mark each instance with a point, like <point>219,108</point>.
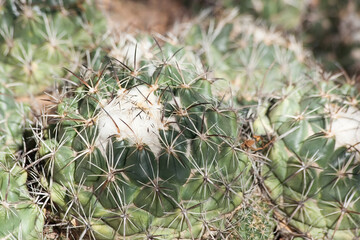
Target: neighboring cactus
<point>328,27</point>
<point>13,117</point>
<point>20,216</point>
<point>301,118</point>
<point>145,151</point>
<point>286,14</point>
<point>37,42</point>
<point>313,171</point>
<point>253,221</point>
<point>251,60</point>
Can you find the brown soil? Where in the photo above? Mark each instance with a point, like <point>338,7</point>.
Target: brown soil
<point>144,15</point>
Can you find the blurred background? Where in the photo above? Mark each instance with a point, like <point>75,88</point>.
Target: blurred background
<point>330,28</point>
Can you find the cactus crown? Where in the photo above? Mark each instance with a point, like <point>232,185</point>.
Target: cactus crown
<point>149,142</point>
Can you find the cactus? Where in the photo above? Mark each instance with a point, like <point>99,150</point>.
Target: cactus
<point>313,170</point>
<point>328,27</point>
<point>297,107</point>
<point>37,42</point>
<point>250,60</point>
<point>12,121</point>
<point>21,216</point>
<point>145,151</point>
<point>287,14</point>
<point>253,221</point>
<point>149,144</point>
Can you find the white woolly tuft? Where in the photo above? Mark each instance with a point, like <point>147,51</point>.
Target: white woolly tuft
<point>134,115</point>
<point>346,128</point>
